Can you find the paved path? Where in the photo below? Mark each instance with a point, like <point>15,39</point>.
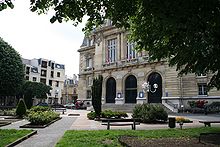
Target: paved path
<point>45,137</point>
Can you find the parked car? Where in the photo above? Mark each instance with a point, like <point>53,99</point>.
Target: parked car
<point>42,104</point>
<point>57,105</point>
<point>69,106</point>
<point>80,105</point>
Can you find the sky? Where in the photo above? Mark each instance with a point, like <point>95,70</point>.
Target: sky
<point>33,36</point>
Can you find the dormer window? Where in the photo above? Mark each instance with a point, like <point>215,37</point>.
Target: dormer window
<point>44,64</point>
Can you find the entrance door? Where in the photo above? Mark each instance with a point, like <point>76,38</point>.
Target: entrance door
<point>110,90</point>
<point>156,97</point>
<point>130,89</point>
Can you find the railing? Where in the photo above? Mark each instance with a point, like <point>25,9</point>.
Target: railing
<point>175,106</point>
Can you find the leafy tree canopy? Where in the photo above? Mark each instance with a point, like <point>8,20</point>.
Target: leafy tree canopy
<point>11,70</point>
<point>36,89</point>
<point>184,32</point>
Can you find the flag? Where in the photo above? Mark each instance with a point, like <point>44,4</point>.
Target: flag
<point>107,56</point>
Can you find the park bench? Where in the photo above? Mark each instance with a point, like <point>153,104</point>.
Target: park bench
<point>60,109</point>
<point>208,122</point>
<point>121,122</point>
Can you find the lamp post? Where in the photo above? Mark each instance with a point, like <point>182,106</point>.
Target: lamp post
<point>56,94</point>
<point>147,87</point>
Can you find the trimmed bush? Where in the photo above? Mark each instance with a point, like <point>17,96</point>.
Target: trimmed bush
<point>41,115</point>
<point>9,112</point>
<point>40,108</point>
<point>113,114</point>
<point>149,113</point>
<point>91,115</point>
<point>182,119</point>
<point>107,114</point>
<point>21,108</point>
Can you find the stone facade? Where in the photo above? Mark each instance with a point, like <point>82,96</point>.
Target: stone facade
<point>107,52</point>
<point>48,72</point>
<point>70,91</point>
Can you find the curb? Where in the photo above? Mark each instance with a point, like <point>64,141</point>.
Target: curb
<point>21,139</point>
<point>39,126</point>
<point>5,124</point>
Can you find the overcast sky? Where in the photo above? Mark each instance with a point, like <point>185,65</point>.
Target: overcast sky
<point>33,36</point>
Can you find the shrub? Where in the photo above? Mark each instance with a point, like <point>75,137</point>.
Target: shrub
<point>40,108</point>
<point>149,113</point>
<point>21,108</point>
<point>107,114</point>
<point>198,104</point>
<point>113,114</point>
<point>9,112</point>
<point>182,119</point>
<point>91,115</point>
<point>41,115</point>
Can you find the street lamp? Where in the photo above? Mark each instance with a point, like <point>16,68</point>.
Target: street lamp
<point>147,87</point>
<point>56,94</point>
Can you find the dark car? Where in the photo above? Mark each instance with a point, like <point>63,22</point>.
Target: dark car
<point>42,104</point>
<point>57,106</point>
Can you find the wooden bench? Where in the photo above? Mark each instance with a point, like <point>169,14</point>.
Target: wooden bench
<point>121,122</point>
<point>60,109</point>
<point>208,122</point>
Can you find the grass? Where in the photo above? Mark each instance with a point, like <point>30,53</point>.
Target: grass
<point>109,138</point>
<point>9,136</point>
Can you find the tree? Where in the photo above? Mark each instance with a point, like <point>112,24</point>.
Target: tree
<point>6,3</point>
<point>34,89</point>
<point>97,95</point>
<point>11,70</point>
<point>21,108</point>
<point>186,33</point>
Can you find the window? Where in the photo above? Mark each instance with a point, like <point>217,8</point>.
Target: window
<point>89,63</point>
<point>34,79</point>
<point>57,83</point>
<point>89,81</point>
<point>44,64</point>
<point>50,82</point>
<point>27,70</point>
<point>58,74</point>
<point>52,66</point>
<point>203,89</point>
<point>51,74</point>
<point>131,53</point>
<point>201,74</point>
<point>111,51</point>
<point>74,91</point>
<point>43,73</point>
<point>43,80</point>
<point>89,94</point>
<point>27,77</point>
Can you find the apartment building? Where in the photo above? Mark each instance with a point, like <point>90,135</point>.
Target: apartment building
<point>48,72</point>
<point>129,76</point>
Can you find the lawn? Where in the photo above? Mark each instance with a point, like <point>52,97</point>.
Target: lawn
<point>9,136</point>
<point>98,138</point>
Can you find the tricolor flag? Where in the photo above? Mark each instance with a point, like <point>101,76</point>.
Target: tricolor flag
<point>107,56</point>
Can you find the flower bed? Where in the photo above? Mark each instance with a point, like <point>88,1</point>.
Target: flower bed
<point>40,116</point>
<point>183,120</point>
